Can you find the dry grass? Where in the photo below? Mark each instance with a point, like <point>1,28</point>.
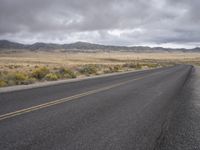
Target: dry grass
<point>83,64</point>
<point>28,58</point>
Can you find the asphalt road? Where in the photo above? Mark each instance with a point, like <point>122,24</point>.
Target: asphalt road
<point>136,110</point>
<point>183,130</point>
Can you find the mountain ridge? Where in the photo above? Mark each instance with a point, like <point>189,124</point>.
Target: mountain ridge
<point>85,46</point>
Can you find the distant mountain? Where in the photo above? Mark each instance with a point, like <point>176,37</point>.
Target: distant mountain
<point>84,47</point>
<point>44,46</point>
<point>197,49</point>
<point>4,44</point>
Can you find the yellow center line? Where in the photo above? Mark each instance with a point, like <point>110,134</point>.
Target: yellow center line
<point>62,100</point>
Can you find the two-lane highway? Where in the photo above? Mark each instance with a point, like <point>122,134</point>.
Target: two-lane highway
<point>126,111</point>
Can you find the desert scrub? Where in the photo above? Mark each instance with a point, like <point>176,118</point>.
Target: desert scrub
<point>138,66</point>
<point>40,73</point>
<point>51,76</point>
<point>133,65</point>
<point>2,83</point>
<point>3,76</point>
<point>17,78</point>
<point>66,73</point>
<point>115,68</point>
<point>88,69</point>
<point>130,65</point>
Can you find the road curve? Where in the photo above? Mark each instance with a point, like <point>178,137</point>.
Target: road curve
<point>120,112</point>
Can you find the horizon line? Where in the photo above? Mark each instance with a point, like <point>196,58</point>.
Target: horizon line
<point>82,41</point>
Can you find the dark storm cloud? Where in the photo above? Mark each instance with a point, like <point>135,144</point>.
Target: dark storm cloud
<point>126,22</point>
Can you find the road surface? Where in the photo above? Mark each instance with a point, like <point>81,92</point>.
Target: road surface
<point>135,110</point>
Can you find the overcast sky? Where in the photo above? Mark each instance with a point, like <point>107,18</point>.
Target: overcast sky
<point>169,23</point>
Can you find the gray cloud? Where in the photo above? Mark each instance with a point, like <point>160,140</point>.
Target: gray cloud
<point>127,22</point>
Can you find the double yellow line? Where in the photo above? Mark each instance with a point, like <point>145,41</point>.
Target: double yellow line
<point>59,101</point>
